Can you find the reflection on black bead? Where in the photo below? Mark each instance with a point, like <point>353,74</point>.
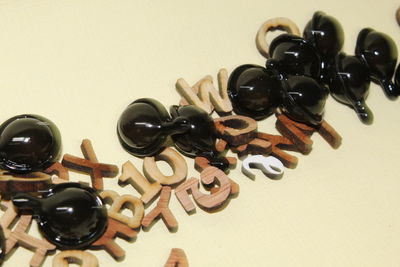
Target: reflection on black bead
<point>379,52</point>
<point>200,138</point>
<point>295,56</point>
<point>326,35</point>
<point>69,215</point>
<point>144,126</point>
<point>253,92</point>
<point>349,84</point>
<point>28,143</point>
<point>397,77</point>
<point>304,99</point>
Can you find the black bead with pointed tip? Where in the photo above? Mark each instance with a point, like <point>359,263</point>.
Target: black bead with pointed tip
<point>304,99</point>
<point>379,52</point>
<point>397,77</point>
<point>325,33</point>
<point>349,84</point>
<point>28,143</point>
<point>200,137</point>
<point>295,56</point>
<point>69,215</point>
<point>144,126</point>
<point>253,92</point>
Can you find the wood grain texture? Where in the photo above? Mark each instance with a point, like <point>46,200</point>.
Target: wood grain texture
<point>177,258</point>
<point>175,161</point>
<point>204,95</point>
<point>279,23</point>
<point>31,182</point>
<point>78,257</point>
<point>90,165</point>
<point>131,175</point>
<point>107,242</point>
<point>300,133</point>
<point>18,235</point>
<point>119,203</point>
<point>162,211</point>
<point>211,201</point>
<point>236,130</point>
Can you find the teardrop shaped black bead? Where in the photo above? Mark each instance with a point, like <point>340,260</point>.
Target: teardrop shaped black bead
<point>200,138</point>
<point>325,33</point>
<point>253,92</point>
<point>379,52</point>
<point>349,84</point>
<point>28,143</point>
<point>304,99</point>
<point>140,127</point>
<point>295,56</point>
<point>69,215</point>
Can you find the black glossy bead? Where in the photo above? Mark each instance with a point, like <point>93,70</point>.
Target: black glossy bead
<point>397,76</point>
<point>349,84</point>
<point>200,138</point>
<point>69,215</point>
<point>144,127</point>
<point>253,92</point>
<point>295,56</point>
<point>326,34</point>
<point>28,143</point>
<point>379,52</point>
<point>304,99</point>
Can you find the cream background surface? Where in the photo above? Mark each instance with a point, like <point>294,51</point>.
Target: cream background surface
<point>80,63</point>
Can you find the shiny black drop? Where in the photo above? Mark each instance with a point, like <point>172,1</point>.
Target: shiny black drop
<point>304,99</point>
<point>379,52</point>
<point>28,143</point>
<point>253,92</point>
<point>199,138</point>
<point>349,84</point>
<point>69,215</point>
<point>295,56</point>
<point>144,127</point>
<point>325,33</point>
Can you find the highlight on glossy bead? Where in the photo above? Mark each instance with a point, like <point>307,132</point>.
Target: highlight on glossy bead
<point>304,99</point>
<point>199,138</point>
<point>295,56</point>
<point>253,92</point>
<point>349,84</point>
<point>379,52</point>
<point>69,215</point>
<point>144,127</point>
<point>28,143</point>
<point>325,33</point>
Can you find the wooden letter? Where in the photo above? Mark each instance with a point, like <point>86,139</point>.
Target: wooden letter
<point>118,203</point>
<point>90,165</point>
<point>206,201</point>
<point>131,175</point>
<point>174,159</point>
<point>31,182</point>
<point>82,258</point>
<point>106,241</point>
<point>162,210</point>
<point>177,258</point>
<point>236,130</point>
<point>273,24</point>
<point>19,236</point>
<point>204,95</point>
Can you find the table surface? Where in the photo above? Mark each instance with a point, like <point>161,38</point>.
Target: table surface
<point>80,63</point>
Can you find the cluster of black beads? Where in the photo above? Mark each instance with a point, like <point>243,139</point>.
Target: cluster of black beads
<point>302,71</point>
